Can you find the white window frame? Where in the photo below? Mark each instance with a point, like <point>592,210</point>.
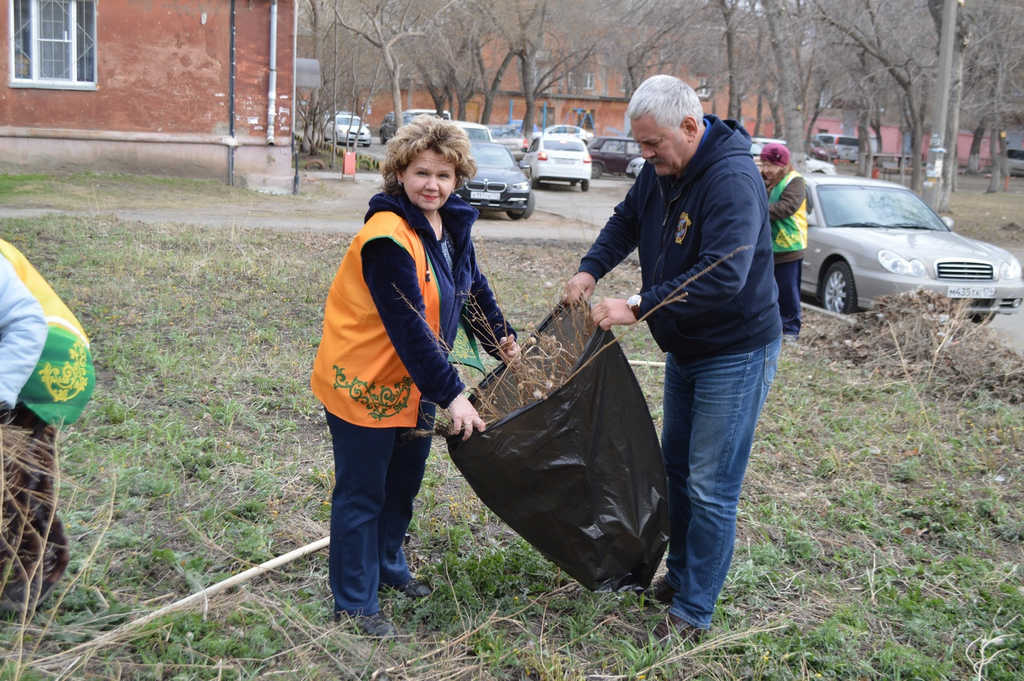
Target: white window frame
<point>35,80</point>
<point>588,80</point>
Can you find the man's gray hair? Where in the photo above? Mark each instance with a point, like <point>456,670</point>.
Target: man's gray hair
<point>667,100</point>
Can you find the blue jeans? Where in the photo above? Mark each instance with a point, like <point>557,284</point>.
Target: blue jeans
<point>711,409</point>
<point>787,278</point>
<point>377,474</point>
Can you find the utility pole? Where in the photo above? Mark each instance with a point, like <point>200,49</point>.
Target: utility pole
<point>940,107</point>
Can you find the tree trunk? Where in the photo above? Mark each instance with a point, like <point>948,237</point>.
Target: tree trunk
<point>526,75</point>
<point>974,158</point>
<point>778,37</point>
<point>760,108</point>
<point>396,86</point>
<point>485,117</point>
<point>995,180</point>
<point>865,157</point>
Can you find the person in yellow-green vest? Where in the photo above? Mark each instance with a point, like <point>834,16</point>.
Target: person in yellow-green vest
<point>393,313</point>
<point>46,379</point>
<point>787,210</point>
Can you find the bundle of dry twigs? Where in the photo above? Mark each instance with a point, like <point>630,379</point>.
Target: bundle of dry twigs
<point>33,548</point>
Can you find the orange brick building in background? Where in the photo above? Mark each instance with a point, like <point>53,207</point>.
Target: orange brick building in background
<point>147,86</point>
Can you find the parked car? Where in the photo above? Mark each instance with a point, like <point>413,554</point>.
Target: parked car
<point>388,127</point>
<point>575,130</point>
<point>499,183</point>
<point>511,137</point>
<point>612,154</point>
<point>475,131</point>
<point>869,238</point>
<point>349,129</point>
<point>838,147</point>
<point>1015,161</point>
<point>634,167</point>
<point>562,158</point>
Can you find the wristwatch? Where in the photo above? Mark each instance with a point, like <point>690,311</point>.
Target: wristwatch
<point>634,304</point>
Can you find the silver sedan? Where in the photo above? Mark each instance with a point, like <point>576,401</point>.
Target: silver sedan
<point>868,238</point>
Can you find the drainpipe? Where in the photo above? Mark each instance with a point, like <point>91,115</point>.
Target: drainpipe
<point>231,103</point>
<point>272,87</point>
<point>291,133</point>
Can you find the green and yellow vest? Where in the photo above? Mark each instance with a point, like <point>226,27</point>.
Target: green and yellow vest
<point>63,379</point>
<point>789,233</point>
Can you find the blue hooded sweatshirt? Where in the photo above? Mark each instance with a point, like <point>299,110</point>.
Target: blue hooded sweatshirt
<point>682,225</point>
<point>390,275</point>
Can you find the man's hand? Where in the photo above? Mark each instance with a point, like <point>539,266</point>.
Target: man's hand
<point>508,348</point>
<point>464,417</point>
<point>580,287</point>
<point>612,312</point>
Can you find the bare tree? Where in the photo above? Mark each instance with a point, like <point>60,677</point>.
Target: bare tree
<point>385,24</point>
<point>891,34</point>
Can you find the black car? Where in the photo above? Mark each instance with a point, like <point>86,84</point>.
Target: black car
<point>499,184</point>
<point>612,154</point>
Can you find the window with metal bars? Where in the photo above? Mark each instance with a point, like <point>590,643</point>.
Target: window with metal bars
<point>53,43</point>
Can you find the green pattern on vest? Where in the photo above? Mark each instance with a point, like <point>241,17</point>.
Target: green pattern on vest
<point>62,382</point>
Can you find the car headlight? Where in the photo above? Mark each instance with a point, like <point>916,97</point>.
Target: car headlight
<point>1010,270</point>
<point>897,264</point>
<point>523,186</point>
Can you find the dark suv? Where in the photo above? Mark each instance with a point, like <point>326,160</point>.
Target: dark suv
<point>387,126</point>
<point>612,154</point>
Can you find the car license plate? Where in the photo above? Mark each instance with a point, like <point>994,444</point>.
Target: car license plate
<point>485,196</point>
<point>971,291</point>
<point>565,160</point>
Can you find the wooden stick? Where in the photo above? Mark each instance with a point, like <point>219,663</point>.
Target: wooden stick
<point>199,596</point>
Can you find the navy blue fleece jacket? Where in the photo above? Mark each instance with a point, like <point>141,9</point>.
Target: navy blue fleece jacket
<point>390,274</point>
<point>681,225</point>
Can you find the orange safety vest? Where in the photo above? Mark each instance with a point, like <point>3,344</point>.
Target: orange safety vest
<point>357,374</point>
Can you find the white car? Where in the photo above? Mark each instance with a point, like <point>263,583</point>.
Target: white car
<point>558,158</point>
<point>348,126</point>
<point>574,130</point>
<point>634,167</point>
<point>475,131</point>
<point>808,165</point>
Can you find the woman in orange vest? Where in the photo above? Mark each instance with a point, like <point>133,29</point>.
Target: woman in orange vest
<point>392,314</point>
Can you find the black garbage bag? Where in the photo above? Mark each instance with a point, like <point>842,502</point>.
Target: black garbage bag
<point>578,473</point>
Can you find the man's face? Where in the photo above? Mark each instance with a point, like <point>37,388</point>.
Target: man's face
<point>667,149</point>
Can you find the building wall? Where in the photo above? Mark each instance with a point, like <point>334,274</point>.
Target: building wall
<point>162,100</point>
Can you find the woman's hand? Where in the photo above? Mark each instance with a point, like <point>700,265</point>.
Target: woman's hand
<point>508,348</point>
<point>464,416</point>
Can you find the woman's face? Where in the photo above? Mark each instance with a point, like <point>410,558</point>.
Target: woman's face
<point>428,181</point>
<point>772,173</point>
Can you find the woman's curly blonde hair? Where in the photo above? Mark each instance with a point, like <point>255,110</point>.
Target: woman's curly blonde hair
<point>423,133</point>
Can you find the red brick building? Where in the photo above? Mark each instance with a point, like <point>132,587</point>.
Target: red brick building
<point>149,86</point>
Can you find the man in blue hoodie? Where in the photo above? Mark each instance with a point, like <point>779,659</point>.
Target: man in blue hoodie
<point>698,216</point>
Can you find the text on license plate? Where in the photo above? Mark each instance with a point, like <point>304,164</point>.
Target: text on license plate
<point>971,292</point>
<point>486,196</point>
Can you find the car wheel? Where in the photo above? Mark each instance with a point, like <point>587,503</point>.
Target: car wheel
<point>584,185</point>
<point>597,170</point>
<point>838,290</point>
<point>522,214</point>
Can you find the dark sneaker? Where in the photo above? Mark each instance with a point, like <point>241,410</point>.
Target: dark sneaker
<point>414,588</point>
<point>375,625</point>
<point>677,630</point>
<point>662,591</point>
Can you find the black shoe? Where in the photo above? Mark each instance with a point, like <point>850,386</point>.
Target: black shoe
<point>414,588</point>
<point>375,625</point>
<point>662,591</point>
<point>677,630</point>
